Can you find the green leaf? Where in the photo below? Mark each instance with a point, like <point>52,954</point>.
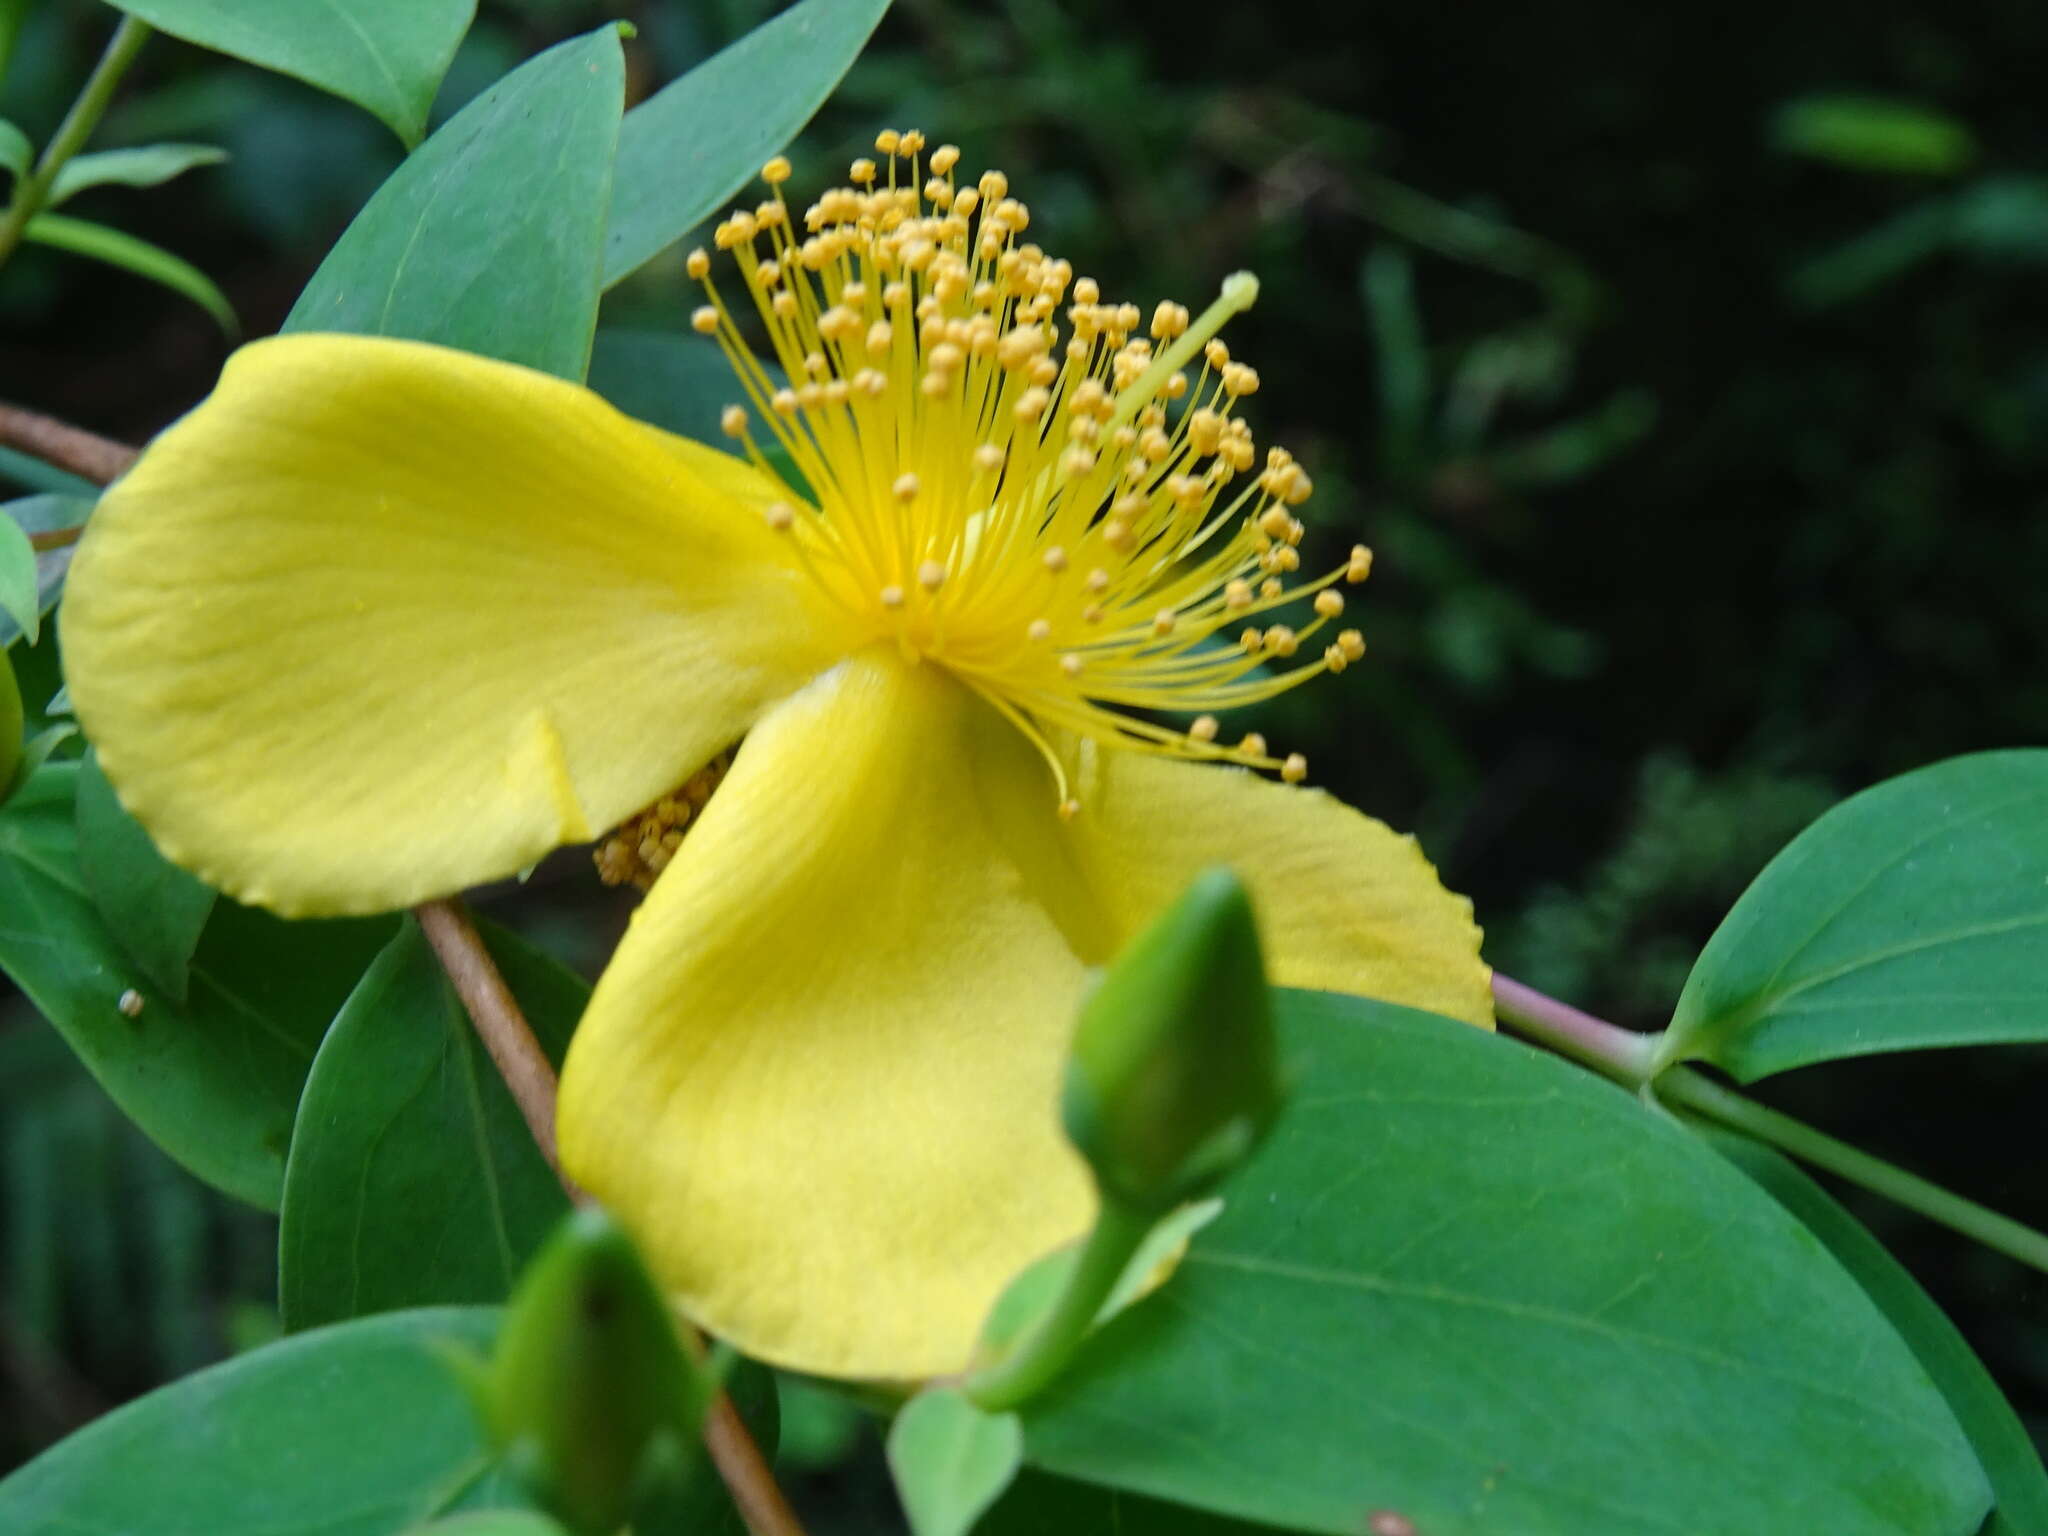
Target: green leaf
<point>1037,1505</point>
<point>490,237</point>
<point>357,1430</point>
<point>413,1179</point>
<point>951,1460</point>
<point>17,154</point>
<point>149,166</point>
<point>1875,133</point>
<point>19,595</point>
<point>676,382</point>
<point>492,1522</point>
<point>213,1081</point>
<point>698,140</point>
<point>154,909</point>
<point>42,514</point>
<point>81,238</point>
<point>386,56</point>
<point>11,721</point>
<point>1914,914</point>
<point>2018,1482</point>
<point>1467,1284</point>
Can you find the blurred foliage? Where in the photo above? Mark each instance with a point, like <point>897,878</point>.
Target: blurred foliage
<point>1687,369</point>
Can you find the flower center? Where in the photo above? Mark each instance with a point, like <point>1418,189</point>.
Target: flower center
<point>1064,519</point>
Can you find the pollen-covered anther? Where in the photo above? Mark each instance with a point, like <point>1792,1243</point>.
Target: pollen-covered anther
<point>1038,631</point>
<point>905,489</point>
<point>1096,580</point>
<point>776,171</point>
<point>1055,560</point>
<point>1329,602</point>
<point>1072,665</point>
<point>704,320</point>
<point>732,421</point>
<point>1253,745</point>
<point>1203,729</point>
<point>1282,641</point>
<point>779,515</point>
<point>1295,769</point>
<point>931,575</point>
<point>1163,621</point>
<point>1359,566</point>
<point>1352,644</point>
<point>890,596</point>
<point>1069,809</point>
<point>640,847</point>
<point>698,264</point>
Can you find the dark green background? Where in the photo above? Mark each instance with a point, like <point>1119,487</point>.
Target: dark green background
<point>1706,476</point>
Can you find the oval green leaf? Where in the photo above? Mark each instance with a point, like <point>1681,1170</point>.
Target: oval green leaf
<point>149,166</point>
<point>413,1180</point>
<point>358,1430</point>
<point>386,56</point>
<point>1037,1505</point>
<point>42,514</point>
<point>1914,914</point>
<point>951,1460</point>
<point>698,140</point>
<point>214,1080</point>
<point>2018,1481</point>
<point>1468,1285</point>
<point>490,237</point>
<point>20,597</point>
<point>153,908</point>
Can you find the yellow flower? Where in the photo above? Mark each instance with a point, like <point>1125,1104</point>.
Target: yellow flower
<point>379,621</point>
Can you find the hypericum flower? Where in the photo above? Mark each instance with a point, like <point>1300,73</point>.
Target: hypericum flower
<point>379,621</point>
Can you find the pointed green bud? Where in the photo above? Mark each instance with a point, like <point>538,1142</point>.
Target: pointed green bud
<point>11,721</point>
<point>589,1392</point>
<point>1174,1074</point>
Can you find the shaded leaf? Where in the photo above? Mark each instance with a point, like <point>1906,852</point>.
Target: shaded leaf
<point>149,166</point>
<point>680,383</point>
<point>19,595</point>
<point>387,56</point>
<point>81,238</point>
<point>413,1180</point>
<point>1874,133</point>
<point>1914,914</point>
<point>698,140</point>
<point>357,1430</point>
<point>1038,1505</point>
<point>2018,1482</point>
<point>1467,1284</point>
<point>154,909</point>
<point>17,154</point>
<point>490,237</point>
<point>213,1081</point>
<point>951,1460</point>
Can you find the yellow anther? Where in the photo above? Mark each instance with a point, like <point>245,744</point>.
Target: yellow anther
<point>891,596</point>
<point>861,172</point>
<point>888,141</point>
<point>1334,658</point>
<point>1054,559</point>
<point>1076,462</point>
<point>704,320</point>
<point>1329,602</point>
<point>879,336</point>
<point>1163,621</point>
<point>1031,404</point>
<point>905,488</point>
<point>779,515</point>
<point>1360,565</point>
<point>1203,728</point>
<point>1038,631</point>
<point>732,421</point>
<point>1270,588</point>
<point>1282,641</point>
<point>1252,641</point>
<point>1240,380</point>
<point>698,264</point>
<point>994,186</point>
<point>931,575</point>
<point>1253,745</point>
<point>1069,809</point>
<point>1295,769</point>
<point>1071,664</point>
<point>1352,644</point>
<point>1096,580</point>
<point>776,171</point>
<point>1168,321</point>
<point>911,142</point>
<point>1274,522</point>
<point>1087,291</point>
<point>1094,613</point>
<point>784,402</point>
<point>988,458</point>
<point>1237,595</point>
<point>945,157</point>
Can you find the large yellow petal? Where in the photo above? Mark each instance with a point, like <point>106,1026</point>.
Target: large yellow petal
<point>820,1077</point>
<point>379,620</point>
<point>1345,904</point>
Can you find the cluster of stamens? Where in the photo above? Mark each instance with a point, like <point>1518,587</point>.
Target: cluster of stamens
<point>640,848</point>
<point>1065,519</point>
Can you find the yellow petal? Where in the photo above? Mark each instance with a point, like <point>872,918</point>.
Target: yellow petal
<point>379,620</point>
<point>820,1077</point>
<point>1345,904</point>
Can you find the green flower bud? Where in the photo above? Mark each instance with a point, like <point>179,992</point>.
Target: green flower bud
<point>1174,1074</point>
<point>589,1392</point>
